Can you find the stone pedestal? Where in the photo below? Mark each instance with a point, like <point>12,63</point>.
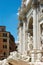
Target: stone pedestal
<point>32,56</point>
<point>39,57</point>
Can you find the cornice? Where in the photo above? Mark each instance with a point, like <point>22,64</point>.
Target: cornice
<point>24,9</point>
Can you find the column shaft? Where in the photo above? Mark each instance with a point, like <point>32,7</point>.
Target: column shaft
<point>34,29</point>
<point>20,39</point>
<point>38,32</point>
<point>24,36</point>
<point>34,57</point>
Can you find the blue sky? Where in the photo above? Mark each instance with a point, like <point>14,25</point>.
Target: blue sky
<point>8,15</point>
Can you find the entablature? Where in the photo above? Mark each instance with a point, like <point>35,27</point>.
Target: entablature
<point>24,9</point>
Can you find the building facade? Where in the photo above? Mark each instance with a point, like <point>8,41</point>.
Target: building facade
<point>7,43</point>
<point>30,29</point>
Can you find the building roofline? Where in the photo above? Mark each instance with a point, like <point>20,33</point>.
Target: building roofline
<point>2,26</point>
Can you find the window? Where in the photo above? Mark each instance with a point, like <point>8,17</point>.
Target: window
<point>4,53</point>
<point>4,34</point>
<point>4,40</point>
<point>10,48</point>
<point>4,46</point>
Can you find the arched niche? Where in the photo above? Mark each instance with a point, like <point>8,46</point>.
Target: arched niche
<point>30,33</point>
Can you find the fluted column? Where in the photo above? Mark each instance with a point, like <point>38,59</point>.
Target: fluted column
<point>24,36</point>
<point>20,38</point>
<point>26,40</point>
<point>38,31</point>
<point>34,29</point>
<point>33,55</point>
<point>38,38</point>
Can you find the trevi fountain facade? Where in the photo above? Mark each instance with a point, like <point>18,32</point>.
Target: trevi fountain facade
<point>30,34</point>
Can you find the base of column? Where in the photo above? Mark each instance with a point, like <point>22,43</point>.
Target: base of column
<point>35,55</point>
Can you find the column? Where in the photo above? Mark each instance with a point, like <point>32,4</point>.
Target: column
<point>26,43</point>
<point>38,31</point>
<point>24,36</point>
<point>20,38</point>
<point>34,35</point>
<point>38,37</point>
<point>34,28</point>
